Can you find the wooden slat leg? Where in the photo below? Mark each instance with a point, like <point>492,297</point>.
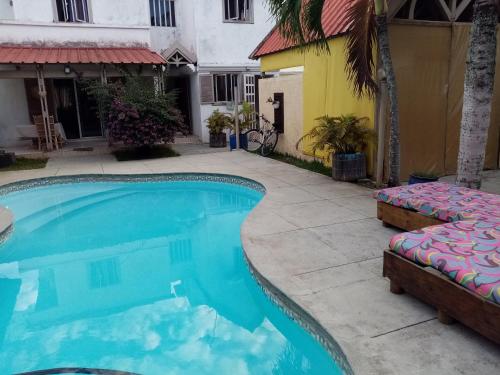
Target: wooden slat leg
<point>445,318</point>
<point>395,288</point>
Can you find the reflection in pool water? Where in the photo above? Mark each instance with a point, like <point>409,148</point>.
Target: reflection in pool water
<point>141,277</point>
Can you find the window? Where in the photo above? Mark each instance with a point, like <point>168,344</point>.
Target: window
<point>104,273</point>
<point>219,87</point>
<point>224,87</point>
<point>238,11</point>
<point>162,12</point>
<point>72,11</point>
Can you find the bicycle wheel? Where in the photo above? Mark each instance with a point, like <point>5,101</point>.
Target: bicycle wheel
<point>269,144</point>
<point>254,139</point>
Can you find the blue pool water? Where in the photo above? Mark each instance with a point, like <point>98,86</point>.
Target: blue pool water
<point>148,278</point>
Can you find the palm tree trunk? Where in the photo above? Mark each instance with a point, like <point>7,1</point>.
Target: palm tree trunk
<point>478,91</point>
<point>385,56</point>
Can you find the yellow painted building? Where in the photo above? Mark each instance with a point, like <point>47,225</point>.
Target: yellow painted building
<point>326,90</point>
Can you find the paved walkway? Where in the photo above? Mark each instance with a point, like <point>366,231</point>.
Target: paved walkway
<point>319,241</point>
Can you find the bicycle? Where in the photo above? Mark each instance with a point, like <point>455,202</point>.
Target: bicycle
<point>263,139</point>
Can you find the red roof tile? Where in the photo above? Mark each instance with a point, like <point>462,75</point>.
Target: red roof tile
<point>334,19</point>
<point>59,55</point>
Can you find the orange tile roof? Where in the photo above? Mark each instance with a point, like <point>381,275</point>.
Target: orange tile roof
<point>334,20</point>
<point>84,55</point>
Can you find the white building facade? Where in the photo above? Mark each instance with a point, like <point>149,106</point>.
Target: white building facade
<point>206,44</point>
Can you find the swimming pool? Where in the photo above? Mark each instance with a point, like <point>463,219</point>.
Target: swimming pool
<point>143,277</point>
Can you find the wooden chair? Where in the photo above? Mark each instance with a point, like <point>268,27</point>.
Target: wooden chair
<point>40,129</point>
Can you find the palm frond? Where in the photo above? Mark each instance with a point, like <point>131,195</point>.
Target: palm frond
<point>312,21</point>
<point>360,44</point>
<point>299,21</point>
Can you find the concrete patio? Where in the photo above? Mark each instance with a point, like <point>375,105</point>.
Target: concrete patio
<point>319,242</point>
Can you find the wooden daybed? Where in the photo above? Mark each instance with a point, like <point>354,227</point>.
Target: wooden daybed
<point>404,218</point>
<point>452,301</point>
<point>450,258</point>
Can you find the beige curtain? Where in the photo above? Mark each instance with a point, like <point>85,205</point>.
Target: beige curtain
<point>430,65</point>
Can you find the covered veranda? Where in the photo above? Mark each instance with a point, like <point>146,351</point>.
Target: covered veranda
<point>52,80</point>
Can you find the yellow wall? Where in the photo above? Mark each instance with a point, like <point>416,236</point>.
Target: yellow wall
<point>326,89</point>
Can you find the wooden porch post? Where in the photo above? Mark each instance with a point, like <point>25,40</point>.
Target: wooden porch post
<point>104,81</point>
<point>104,76</point>
<point>45,109</point>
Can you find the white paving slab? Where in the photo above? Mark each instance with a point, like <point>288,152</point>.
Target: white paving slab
<point>318,241</point>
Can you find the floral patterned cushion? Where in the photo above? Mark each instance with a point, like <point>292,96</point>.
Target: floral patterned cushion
<point>468,252</point>
<point>443,201</point>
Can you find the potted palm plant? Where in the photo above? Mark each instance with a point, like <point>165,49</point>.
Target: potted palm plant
<point>343,139</point>
<point>216,124</point>
<point>247,118</point>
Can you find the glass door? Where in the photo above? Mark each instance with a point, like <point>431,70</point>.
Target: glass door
<point>90,124</point>
<point>67,107</point>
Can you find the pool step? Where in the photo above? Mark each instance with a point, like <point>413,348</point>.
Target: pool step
<point>51,213</point>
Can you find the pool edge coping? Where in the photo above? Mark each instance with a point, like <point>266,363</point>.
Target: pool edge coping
<point>277,296</point>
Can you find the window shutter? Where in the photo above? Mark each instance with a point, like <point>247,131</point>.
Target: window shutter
<point>206,89</point>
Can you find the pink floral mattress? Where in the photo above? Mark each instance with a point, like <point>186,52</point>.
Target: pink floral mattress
<point>468,252</point>
<point>444,201</point>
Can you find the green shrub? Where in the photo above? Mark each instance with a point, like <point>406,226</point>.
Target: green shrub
<point>135,113</point>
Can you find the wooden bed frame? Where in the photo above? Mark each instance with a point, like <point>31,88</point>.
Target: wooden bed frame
<point>404,218</point>
<point>452,301</point>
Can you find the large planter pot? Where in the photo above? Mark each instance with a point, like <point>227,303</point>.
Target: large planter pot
<point>243,141</point>
<point>348,167</point>
<point>218,140</point>
<point>6,158</point>
<point>415,179</point>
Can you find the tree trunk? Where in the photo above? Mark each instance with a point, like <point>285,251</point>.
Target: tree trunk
<point>478,91</point>
<point>385,56</point>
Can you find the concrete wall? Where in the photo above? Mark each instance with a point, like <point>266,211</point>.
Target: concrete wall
<point>13,109</point>
<point>113,23</point>
<point>73,34</point>
<point>34,10</point>
<point>291,85</point>
<point>6,10</point>
<point>222,43</point>
<point>107,12</point>
<point>120,12</point>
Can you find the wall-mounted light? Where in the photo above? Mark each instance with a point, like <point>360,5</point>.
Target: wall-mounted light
<point>275,103</point>
<point>67,69</point>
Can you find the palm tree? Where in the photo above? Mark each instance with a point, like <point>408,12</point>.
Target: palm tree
<point>478,91</point>
<point>300,22</point>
